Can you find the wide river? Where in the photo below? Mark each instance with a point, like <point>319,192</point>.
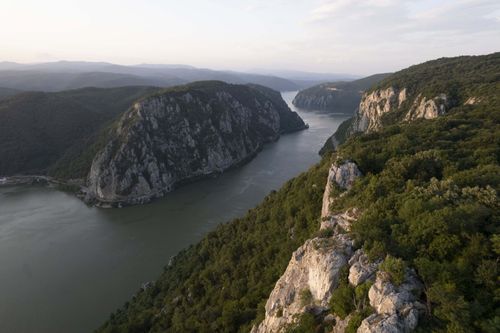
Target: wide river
<point>64,267</point>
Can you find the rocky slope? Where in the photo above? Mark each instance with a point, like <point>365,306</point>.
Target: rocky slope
<point>342,97</point>
<point>183,134</point>
<point>315,269</point>
<point>424,91</point>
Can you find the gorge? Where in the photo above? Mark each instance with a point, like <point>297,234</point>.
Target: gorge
<point>49,239</point>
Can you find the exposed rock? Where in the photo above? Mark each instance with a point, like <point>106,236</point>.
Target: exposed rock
<point>184,134</point>
<point>361,269</point>
<point>315,267</point>
<point>427,108</point>
<point>376,104</point>
<point>341,324</point>
<point>396,307</point>
<point>472,100</point>
<point>342,175</point>
<point>340,223</point>
<point>373,106</point>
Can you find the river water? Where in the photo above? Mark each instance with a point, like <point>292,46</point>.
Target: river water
<point>64,267</point>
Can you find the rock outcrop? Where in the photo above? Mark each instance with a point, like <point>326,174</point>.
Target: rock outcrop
<point>361,269</point>
<point>396,307</point>
<point>307,283</point>
<point>377,104</point>
<point>183,134</point>
<point>313,272</point>
<point>343,176</point>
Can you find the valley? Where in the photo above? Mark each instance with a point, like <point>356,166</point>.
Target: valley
<point>82,263</point>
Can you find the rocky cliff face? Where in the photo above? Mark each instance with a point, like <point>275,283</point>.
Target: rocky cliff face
<point>184,134</point>
<point>314,270</point>
<point>385,106</point>
<point>396,307</point>
<point>375,105</point>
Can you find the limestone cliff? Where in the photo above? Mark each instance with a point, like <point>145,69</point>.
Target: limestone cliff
<point>314,270</point>
<point>185,133</point>
<point>386,106</point>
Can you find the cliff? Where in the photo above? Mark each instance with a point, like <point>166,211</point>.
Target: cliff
<point>341,97</point>
<point>314,273</point>
<point>424,91</point>
<point>183,134</point>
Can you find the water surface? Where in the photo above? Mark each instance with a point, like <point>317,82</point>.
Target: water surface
<point>64,267</point>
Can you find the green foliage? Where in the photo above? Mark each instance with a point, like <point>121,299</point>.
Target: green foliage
<point>305,324</point>
<point>396,269</point>
<point>47,132</point>
<point>429,197</point>
<point>222,283</point>
<point>342,301</point>
<point>305,297</point>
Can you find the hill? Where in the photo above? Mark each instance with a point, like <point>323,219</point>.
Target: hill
<point>37,129</point>
<point>63,75</point>
<point>341,97</point>
<point>426,203</point>
<point>185,133</point>
<point>423,91</point>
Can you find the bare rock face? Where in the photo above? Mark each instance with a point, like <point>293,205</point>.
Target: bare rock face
<point>396,307</point>
<point>376,104</point>
<point>342,222</point>
<point>313,270</point>
<point>184,134</point>
<point>342,175</point>
<point>361,269</point>
<point>427,108</point>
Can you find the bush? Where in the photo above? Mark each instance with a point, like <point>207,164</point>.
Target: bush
<point>396,268</point>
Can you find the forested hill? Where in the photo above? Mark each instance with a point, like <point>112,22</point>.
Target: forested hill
<point>342,97</point>
<point>424,91</point>
<point>37,129</point>
<point>428,201</point>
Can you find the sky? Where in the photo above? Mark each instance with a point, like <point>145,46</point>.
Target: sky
<point>337,36</point>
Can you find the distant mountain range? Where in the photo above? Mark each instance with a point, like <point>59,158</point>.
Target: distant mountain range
<point>64,75</point>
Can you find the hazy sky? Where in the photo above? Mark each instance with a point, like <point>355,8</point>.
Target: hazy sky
<point>351,36</point>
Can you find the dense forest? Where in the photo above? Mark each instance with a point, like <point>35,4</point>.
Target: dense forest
<point>44,132</point>
<point>429,200</point>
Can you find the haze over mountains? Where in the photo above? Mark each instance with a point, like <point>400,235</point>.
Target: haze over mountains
<point>64,75</point>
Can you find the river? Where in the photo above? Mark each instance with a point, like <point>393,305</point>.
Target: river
<point>64,267</point>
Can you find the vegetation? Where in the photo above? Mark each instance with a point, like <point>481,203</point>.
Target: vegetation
<point>459,78</point>
<point>336,96</point>
<point>396,268</point>
<point>222,283</point>
<point>48,132</point>
<point>429,197</point>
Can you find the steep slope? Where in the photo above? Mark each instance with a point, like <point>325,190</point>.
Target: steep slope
<point>336,96</point>
<point>423,212</point>
<point>426,91</point>
<point>37,129</point>
<point>185,133</point>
